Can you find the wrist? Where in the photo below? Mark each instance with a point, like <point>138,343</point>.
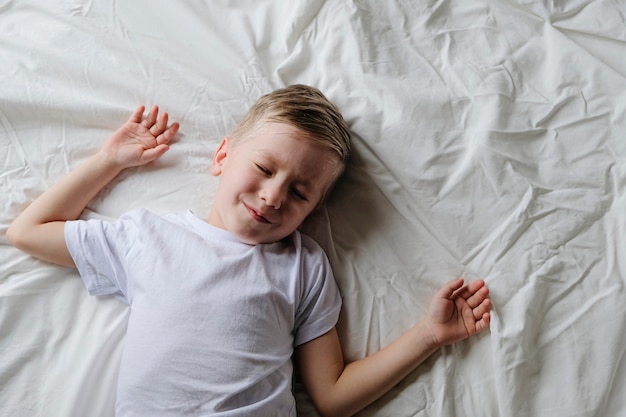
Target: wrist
<point>105,162</point>
<point>430,337</point>
<point>422,340</point>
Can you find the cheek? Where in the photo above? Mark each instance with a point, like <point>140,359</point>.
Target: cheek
<point>301,213</point>
<point>240,181</point>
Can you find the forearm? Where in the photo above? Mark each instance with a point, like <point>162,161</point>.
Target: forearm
<point>348,389</point>
<point>365,380</point>
<point>67,199</point>
<point>38,229</point>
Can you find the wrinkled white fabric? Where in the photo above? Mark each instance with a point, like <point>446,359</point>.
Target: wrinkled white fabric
<point>489,141</point>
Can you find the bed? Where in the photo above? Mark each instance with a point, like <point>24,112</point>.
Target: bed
<point>489,142</point>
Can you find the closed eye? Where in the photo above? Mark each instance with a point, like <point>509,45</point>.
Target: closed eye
<point>298,194</point>
<point>264,170</point>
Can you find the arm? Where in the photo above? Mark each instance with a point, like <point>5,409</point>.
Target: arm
<point>455,313</point>
<point>39,229</point>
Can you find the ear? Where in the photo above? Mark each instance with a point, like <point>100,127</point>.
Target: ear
<point>220,157</point>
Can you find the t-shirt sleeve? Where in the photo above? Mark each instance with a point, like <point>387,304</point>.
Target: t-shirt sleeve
<point>319,309</point>
<point>98,248</point>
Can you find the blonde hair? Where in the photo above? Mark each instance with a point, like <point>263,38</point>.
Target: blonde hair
<point>305,108</point>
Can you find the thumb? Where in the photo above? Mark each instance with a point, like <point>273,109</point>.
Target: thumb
<point>447,290</point>
<point>152,154</point>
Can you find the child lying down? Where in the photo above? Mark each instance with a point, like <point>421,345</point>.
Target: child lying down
<point>220,306</point>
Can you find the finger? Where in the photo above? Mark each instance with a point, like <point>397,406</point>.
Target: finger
<point>483,308</point>
<point>471,288</point>
<point>449,288</point>
<point>137,114</point>
<point>150,155</point>
<point>151,117</point>
<point>169,133</point>
<point>483,323</point>
<point>160,126</point>
<point>476,298</point>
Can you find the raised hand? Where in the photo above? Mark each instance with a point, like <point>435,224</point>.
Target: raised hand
<point>39,230</point>
<point>140,140</point>
<point>457,311</point>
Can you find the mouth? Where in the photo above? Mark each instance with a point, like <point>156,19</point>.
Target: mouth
<point>257,215</point>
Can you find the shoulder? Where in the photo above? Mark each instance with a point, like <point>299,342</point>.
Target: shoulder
<point>306,244</point>
<point>97,227</point>
<point>314,264</point>
<point>145,218</point>
<point>141,215</point>
<point>301,249</point>
<point>131,226</point>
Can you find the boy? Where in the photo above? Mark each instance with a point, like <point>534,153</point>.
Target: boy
<point>218,308</point>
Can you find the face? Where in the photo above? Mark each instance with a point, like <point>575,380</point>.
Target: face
<point>269,183</point>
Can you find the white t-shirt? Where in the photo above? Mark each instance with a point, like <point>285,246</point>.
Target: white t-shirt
<point>213,321</point>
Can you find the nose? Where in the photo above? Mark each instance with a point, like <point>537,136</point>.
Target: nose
<point>272,193</point>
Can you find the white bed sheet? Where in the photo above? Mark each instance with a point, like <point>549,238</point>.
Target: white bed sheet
<point>490,141</point>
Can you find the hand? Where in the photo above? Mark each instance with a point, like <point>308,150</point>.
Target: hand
<point>458,312</point>
<point>138,141</point>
